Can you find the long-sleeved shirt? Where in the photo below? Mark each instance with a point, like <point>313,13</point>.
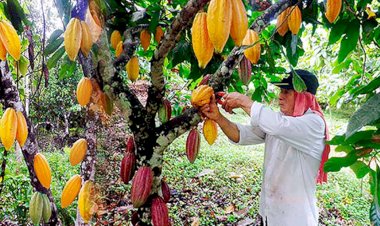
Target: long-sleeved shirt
<point>293,150</point>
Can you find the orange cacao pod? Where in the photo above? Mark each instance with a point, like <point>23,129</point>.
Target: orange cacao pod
<point>165,111</point>
<point>71,190</point>
<point>10,39</point>
<point>333,9</point>
<point>201,95</point>
<point>159,33</point>
<point>239,23</point>
<point>73,38</point>
<point>295,19</point>
<point>115,38</point>
<point>165,191</point>
<point>133,68</point>
<point>84,91</point>
<point>192,145</point>
<point>252,53</point>
<point>145,39</point>
<point>22,129</point>
<point>245,70</point>
<point>210,131</point>
<point>86,42</point>
<point>127,167</point>
<point>8,128</point>
<point>86,200</point>
<point>159,212</point>
<point>219,17</point>
<point>78,151</point>
<point>282,22</point>
<point>201,42</point>
<point>141,186</point>
<point>119,49</point>
<point>42,170</point>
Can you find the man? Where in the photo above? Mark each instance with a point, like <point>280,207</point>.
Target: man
<point>294,143</point>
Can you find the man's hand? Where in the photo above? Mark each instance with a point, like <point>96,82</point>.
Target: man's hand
<point>211,110</point>
<point>237,100</point>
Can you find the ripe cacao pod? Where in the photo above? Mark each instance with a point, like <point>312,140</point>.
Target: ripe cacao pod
<point>282,22</point>
<point>22,129</point>
<point>3,51</point>
<point>86,42</point>
<point>165,111</point>
<point>245,70</point>
<point>8,128</point>
<point>145,39</point>
<point>127,168</point>
<point>159,212</point>
<point>36,206</point>
<point>159,33</point>
<point>130,145</point>
<point>202,46</point>
<point>119,49</point>
<point>133,68</point>
<point>219,17</point>
<point>252,53</point>
<point>78,151</point>
<point>93,21</point>
<point>141,186</point>
<point>333,9</point>
<point>42,170</point>
<point>46,211</point>
<point>239,23</point>
<point>165,191</point>
<point>295,19</point>
<point>84,91</point>
<point>201,95</point>
<point>10,39</point>
<point>192,145</point>
<point>73,38</point>
<point>115,38</point>
<point>210,131</point>
<point>71,190</point>
<point>86,200</point>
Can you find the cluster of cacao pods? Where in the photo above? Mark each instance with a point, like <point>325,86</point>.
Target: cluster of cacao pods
<point>289,19</point>
<point>133,68</point>
<point>117,42</point>
<point>333,8</point>
<point>145,37</point>
<point>13,127</point>
<point>39,207</point>
<point>42,170</point>
<point>9,41</point>
<point>165,111</point>
<point>77,37</point>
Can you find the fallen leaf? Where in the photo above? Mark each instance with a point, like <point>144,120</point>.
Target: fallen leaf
<point>229,209</point>
<point>195,222</point>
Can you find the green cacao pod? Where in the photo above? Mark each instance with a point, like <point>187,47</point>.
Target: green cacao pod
<point>36,206</point>
<point>46,211</point>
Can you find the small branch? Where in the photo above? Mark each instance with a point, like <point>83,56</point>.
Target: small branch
<point>2,174</point>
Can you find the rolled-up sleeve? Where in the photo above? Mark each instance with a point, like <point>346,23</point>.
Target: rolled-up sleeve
<point>249,135</point>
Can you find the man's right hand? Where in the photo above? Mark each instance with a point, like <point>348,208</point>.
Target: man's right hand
<point>211,110</point>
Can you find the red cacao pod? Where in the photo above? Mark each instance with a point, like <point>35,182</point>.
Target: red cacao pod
<point>192,145</point>
<point>159,212</point>
<point>165,191</point>
<point>135,218</point>
<point>127,167</point>
<point>165,111</point>
<point>245,70</point>
<point>130,144</point>
<point>141,186</point>
<point>205,80</point>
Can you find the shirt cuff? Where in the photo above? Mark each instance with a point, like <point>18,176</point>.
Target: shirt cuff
<point>255,113</point>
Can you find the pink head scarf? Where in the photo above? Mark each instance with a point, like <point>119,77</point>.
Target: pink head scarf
<point>304,101</point>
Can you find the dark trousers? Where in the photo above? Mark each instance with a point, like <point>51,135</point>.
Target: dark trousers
<point>262,222</point>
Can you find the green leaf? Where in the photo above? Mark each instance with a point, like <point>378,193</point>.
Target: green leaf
<point>369,88</point>
<point>360,169</point>
<point>338,139</point>
<point>344,148</point>
<point>337,30</point>
<point>368,113</point>
<point>374,214</point>
<point>53,46</point>
<point>16,15</point>
<point>52,61</point>
<point>334,164</point>
<point>349,41</point>
<point>361,135</point>
<point>375,190</point>
<point>298,83</point>
<point>334,99</point>
<point>54,36</point>
<point>181,53</point>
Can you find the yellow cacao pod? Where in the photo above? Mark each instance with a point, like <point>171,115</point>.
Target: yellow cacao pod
<point>10,39</point>
<point>145,39</point>
<point>36,206</point>
<point>201,95</point>
<point>22,129</point>
<point>210,131</point>
<point>115,38</point>
<point>86,200</point>
<point>119,49</point>
<point>133,68</point>
<point>202,45</point>
<point>239,23</point>
<point>333,9</point>
<point>252,53</point>
<point>42,170</point>
<point>282,22</point>
<point>71,190</point>
<point>73,38</point>
<point>78,151</point>
<point>3,51</point>
<point>159,33</point>
<point>295,19</point>
<point>93,21</point>
<point>84,91</point>
<point>219,17</point>
<point>8,128</point>
<point>86,43</point>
